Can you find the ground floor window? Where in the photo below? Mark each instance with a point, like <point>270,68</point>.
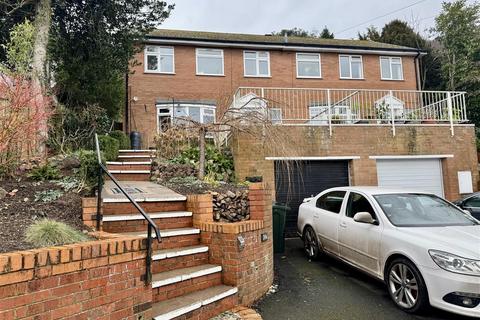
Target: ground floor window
<point>184,114</point>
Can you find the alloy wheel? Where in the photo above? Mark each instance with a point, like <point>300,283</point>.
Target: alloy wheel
<point>403,285</point>
<point>310,243</point>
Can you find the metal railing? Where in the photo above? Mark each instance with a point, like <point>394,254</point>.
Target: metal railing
<point>312,106</point>
<point>151,224</point>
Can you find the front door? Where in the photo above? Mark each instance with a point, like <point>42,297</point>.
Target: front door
<point>359,243</point>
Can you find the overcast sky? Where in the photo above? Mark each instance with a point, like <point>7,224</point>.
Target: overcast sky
<point>265,16</point>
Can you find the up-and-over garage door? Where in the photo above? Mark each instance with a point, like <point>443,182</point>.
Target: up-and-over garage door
<point>414,174</point>
<point>303,179</point>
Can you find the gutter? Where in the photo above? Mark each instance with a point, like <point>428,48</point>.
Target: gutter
<point>282,47</point>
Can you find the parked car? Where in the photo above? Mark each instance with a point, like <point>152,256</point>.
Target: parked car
<point>425,249</point>
<point>470,203</point>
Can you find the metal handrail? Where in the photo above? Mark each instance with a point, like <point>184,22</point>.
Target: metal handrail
<point>151,223</point>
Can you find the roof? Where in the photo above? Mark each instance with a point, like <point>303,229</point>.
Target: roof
<point>239,38</point>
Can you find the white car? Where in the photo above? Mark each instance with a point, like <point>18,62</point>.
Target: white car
<point>425,249</point>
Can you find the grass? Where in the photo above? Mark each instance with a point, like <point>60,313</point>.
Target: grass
<point>47,232</point>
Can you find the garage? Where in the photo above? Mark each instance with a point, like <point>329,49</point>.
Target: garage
<point>415,174</point>
<point>296,180</point>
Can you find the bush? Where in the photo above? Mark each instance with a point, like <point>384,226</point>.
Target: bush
<point>48,195</point>
<point>45,172</point>
<point>88,171</point>
<point>48,232</point>
<point>109,146</point>
<point>218,162</point>
<point>123,139</point>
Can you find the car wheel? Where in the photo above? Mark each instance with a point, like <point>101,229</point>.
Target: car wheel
<point>406,286</point>
<point>310,243</point>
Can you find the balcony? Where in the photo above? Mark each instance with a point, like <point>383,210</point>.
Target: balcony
<point>331,107</point>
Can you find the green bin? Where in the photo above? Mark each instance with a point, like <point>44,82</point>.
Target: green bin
<point>279,212</point>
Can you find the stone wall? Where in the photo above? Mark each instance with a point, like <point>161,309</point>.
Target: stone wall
<point>91,280</point>
<point>244,249</point>
<point>364,141</point>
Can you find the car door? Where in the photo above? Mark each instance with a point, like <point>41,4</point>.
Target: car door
<point>473,205</point>
<point>326,219</point>
<point>359,243</point>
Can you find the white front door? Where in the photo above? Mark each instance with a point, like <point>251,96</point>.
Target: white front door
<point>414,174</point>
<point>359,243</point>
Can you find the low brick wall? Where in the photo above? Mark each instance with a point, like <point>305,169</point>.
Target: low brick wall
<point>244,249</point>
<point>89,212</point>
<point>91,280</point>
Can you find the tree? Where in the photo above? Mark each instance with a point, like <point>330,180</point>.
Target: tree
<point>458,32</point>
<point>326,34</point>
<point>19,49</point>
<point>372,34</point>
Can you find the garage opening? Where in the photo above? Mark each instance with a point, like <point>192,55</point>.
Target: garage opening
<point>414,174</point>
<point>303,179</point>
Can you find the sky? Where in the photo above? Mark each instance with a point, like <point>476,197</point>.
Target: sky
<point>265,16</point>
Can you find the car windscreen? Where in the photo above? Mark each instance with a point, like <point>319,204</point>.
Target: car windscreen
<point>421,210</point>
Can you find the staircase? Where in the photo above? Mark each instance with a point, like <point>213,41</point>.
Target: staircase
<point>184,284</point>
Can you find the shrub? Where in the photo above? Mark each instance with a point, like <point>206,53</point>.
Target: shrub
<point>219,162</point>
<point>123,139</point>
<point>48,195</point>
<point>45,172</point>
<point>88,171</point>
<point>109,146</point>
<point>49,232</point>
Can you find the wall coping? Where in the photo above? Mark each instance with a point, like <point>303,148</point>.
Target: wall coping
<point>232,227</point>
<point>109,249</point>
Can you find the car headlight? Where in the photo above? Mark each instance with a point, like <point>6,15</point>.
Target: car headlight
<point>454,263</point>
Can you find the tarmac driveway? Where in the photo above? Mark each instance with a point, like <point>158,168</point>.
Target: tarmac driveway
<point>329,289</point>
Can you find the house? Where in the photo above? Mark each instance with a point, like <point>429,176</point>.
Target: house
<point>353,110</point>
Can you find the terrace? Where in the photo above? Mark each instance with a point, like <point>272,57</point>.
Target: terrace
<point>333,107</point>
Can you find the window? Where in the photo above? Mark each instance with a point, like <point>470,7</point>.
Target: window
<point>275,115</point>
<point>351,67</point>
<point>210,62</point>
<point>391,68</point>
<point>308,65</point>
<point>256,63</point>
<point>183,114</point>
<point>331,201</point>
<point>159,59</point>
<point>339,113</point>
<point>358,203</point>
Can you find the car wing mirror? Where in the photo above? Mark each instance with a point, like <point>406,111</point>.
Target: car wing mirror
<point>364,217</point>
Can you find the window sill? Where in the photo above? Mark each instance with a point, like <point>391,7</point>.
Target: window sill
<point>209,75</point>
<point>352,78</point>
<point>382,79</point>
<point>156,72</point>
<point>257,76</point>
<point>317,78</point>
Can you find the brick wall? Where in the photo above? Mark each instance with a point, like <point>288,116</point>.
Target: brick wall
<point>365,141</point>
<point>91,280</point>
<point>248,267</point>
<point>185,84</point>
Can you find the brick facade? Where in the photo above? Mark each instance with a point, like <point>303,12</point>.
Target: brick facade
<point>185,84</point>
<point>249,266</point>
<point>365,141</point>
<point>91,280</point>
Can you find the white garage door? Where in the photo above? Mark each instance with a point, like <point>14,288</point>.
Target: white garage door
<point>416,174</point>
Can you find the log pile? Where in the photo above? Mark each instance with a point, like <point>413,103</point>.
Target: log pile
<point>231,206</point>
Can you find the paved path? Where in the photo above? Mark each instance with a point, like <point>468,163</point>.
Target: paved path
<point>141,191</point>
<point>330,290</point>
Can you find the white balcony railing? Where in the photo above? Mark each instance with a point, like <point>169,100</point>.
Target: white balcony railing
<point>310,106</point>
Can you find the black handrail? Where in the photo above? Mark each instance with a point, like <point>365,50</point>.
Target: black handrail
<point>151,223</point>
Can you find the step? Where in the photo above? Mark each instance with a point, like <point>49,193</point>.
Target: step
<point>134,156</point>
<point>132,150</point>
<point>184,274</point>
<point>118,205</point>
<point>176,307</point>
<point>183,257</point>
<point>129,171</point>
<point>178,252</point>
<point>155,215</point>
<point>128,166</point>
<point>120,163</point>
<point>167,233</point>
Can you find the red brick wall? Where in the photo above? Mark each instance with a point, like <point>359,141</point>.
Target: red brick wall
<point>249,268</point>
<point>91,280</point>
<point>185,84</point>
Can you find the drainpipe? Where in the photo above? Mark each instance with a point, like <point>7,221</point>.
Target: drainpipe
<point>417,70</point>
<point>126,117</point>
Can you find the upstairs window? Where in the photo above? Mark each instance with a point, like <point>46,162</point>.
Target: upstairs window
<point>159,59</point>
<point>391,68</point>
<point>351,67</point>
<point>209,62</point>
<point>308,65</point>
<point>256,63</point>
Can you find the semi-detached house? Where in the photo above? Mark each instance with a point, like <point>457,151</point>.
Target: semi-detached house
<point>354,109</point>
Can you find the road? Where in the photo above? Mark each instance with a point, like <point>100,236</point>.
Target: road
<point>330,290</point>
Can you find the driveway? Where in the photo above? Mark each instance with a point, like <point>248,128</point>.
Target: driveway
<point>329,289</point>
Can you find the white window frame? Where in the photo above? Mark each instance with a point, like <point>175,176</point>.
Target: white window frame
<point>257,59</point>
<point>349,56</point>
<point>209,74</point>
<point>170,107</point>
<point>306,60</point>
<point>158,55</point>
<point>390,59</point>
